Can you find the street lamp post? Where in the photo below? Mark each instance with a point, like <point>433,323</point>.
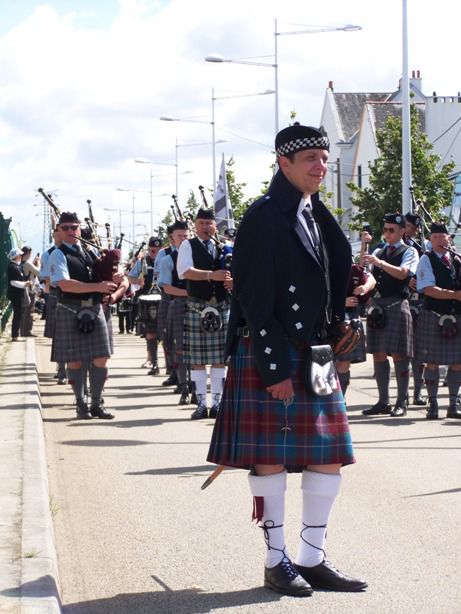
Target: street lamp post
<point>141,161</point>
<point>218,58</point>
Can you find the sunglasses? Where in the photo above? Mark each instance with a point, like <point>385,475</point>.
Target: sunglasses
<point>67,227</point>
<point>390,230</point>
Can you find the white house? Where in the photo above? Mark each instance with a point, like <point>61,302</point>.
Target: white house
<point>351,120</point>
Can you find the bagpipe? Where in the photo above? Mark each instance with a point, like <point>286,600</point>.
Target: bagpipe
<point>223,248</point>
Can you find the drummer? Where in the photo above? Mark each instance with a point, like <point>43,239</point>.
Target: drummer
<point>147,283</point>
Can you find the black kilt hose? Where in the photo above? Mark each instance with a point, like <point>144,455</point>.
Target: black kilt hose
<point>201,348</point>
<point>279,297</point>
<point>430,346</point>
<point>397,335</point>
<point>70,345</point>
<point>252,428</point>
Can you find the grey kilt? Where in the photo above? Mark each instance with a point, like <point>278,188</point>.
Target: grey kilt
<point>175,324</point>
<point>202,348</point>
<point>110,331</point>
<point>430,346</point>
<point>162,316</point>
<point>70,345</point>
<point>50,319</point>
<point>397,335</point>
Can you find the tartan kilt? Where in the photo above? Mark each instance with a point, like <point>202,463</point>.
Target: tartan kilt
<point>162,317</point>
<point>430,346</point>
<point>70,345</point>
<point>50,319</point>
<point>175,324</point>
<point>397,335</point>
<point>202,348</point>
<point>253,428</point>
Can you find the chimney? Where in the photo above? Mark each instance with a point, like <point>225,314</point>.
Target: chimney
<point>330,85</point>
<point>434,95</point>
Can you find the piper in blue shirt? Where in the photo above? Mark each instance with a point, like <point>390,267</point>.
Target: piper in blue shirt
<point>389,321</point>
<point>437,339</point>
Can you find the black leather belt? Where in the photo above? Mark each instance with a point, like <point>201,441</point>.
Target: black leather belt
<point>88,302</point>
<point>299,344</point>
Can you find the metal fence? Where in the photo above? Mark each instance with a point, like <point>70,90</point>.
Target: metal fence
<point>6,243</point>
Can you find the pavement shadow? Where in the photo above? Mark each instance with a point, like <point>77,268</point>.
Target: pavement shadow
<point>180,470</point>
<point>44,586</point>
<point>106,443</point>
<point>186,601</point>
<point>127,424</point>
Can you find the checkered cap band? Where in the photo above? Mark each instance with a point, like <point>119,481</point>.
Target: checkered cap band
<point>311,142</point>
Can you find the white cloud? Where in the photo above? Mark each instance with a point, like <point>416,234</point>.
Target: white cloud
<point>82,91</point>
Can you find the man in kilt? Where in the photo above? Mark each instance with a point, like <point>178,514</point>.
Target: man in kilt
<point>361,283</point>
<point>412,233</point>
<point>162,315</point>
<point>80,336</point>
<point>51,301</point>
<point>175,289</point>
<point>282,300</point>
<point>438,337</point>
<point>207,311</point>
<point>389,322</point>
<point>144,274</point>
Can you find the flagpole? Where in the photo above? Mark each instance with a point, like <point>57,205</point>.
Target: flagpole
<point>213,141</point>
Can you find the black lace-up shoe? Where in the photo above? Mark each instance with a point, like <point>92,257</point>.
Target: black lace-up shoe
<point>284,579</point>
<point>454,412</point>
<point>432,410</point>
<point>400,408</point>
<point>327,577</point>
<point>99,411</point>
<point>200,412</point>
<point>171,380</point>
<point>378,409</point>
<point>184,399</point>
<point>418,400</point>
<point>83,413</point>
<point>213,413</point>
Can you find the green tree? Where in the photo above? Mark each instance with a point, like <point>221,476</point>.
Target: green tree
<point>384,194</point>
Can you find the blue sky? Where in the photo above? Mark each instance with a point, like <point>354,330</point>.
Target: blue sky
<point>84,83</point>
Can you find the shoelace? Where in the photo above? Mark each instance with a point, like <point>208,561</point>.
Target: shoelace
<point>288,568</point>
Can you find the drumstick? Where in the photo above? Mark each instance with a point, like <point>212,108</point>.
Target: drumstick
<point>212,477</point>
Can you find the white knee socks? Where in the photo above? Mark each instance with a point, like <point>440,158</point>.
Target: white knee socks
<point>272,488</point>
<point>319,493</point>
<point>199,377</point>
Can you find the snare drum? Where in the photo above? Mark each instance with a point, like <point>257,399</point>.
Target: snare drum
<point>148,307</point>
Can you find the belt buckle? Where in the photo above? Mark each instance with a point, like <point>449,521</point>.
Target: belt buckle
<point>87,302</point>
<point>213,300</point>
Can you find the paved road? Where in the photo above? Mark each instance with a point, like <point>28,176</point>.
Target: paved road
<point>135,533</point>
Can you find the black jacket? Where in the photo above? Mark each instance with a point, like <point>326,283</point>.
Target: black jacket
<point>14,273</point>
<point>279,284</point>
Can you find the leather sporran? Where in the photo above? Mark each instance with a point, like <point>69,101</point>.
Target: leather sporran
<point>320,371</point>
<point>210,320</point>
<point>86,320</point>
<point>376,317</point>
<point>448,326</point>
